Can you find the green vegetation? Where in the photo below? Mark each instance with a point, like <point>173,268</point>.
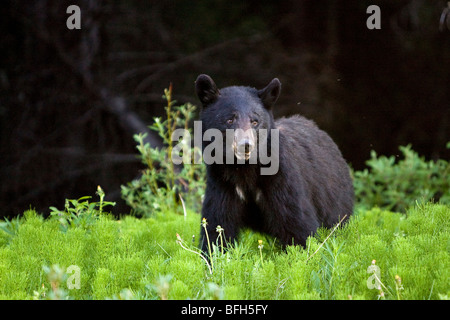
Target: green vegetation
<point>141,259</point>
<point>82,252</point>
<point>162,185</point>
<point>397,185</point>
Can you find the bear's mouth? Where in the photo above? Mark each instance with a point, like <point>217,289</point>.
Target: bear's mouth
<point>244,144</point>
<point>242,155</point>
<point>242,152</point>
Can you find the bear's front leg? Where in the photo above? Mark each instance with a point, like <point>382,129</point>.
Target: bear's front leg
<point>221,207</point>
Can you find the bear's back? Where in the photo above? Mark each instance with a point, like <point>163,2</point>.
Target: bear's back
<point>316,159</point>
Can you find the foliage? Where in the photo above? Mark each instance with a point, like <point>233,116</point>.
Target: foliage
<point>396,185</point>
<point>140,259</point>
<point>80,212</point>
<point>10,227</point>
<point>162,183</point>
<point>323,280</point>
<point>56,276</point>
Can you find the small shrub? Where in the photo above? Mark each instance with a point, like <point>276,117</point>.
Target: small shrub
<point>324,280</point>
<point>80,212</point>
<point>9,228</point>
<point>162,183</point>
<point>397,185</point>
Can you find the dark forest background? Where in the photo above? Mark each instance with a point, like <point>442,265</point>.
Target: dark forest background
<point>71,100</point>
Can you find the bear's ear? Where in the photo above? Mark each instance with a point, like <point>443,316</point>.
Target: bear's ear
<point>269,95</point>
<point>206,89</point>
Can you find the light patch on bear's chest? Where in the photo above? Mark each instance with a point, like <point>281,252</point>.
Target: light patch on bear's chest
<point>241,194</point>
<point>258,196</point>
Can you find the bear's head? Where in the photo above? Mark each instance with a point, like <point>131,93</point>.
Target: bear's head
<point>244,110</point>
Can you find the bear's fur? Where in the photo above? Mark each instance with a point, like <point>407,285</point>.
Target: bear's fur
<point>312,187</point>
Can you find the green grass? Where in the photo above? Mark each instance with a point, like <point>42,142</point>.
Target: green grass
<point>141,259</point>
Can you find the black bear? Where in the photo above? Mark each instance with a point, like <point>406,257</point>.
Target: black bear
<point>309,185</point>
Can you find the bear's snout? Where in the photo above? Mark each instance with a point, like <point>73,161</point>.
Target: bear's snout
<point>244,149</point>
<point>244,143</point>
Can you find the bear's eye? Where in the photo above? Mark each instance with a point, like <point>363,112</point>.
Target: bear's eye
<point>230,121</point>
<point>254,123</point>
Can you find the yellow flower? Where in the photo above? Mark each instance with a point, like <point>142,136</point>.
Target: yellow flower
<point>260,244</point>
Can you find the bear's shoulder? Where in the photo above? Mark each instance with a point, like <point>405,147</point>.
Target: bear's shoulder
<point>295,122</point>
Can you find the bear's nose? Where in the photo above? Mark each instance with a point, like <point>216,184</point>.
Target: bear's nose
<point>246,145</point>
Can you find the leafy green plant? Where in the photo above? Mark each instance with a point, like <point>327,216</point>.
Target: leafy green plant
<point>10,227</point>
<point>324,279</point>
<point>161,286</point>
<point>80,212</point>
<point>163,185</point>
<point>397,185</point>
<point>56,276</point>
